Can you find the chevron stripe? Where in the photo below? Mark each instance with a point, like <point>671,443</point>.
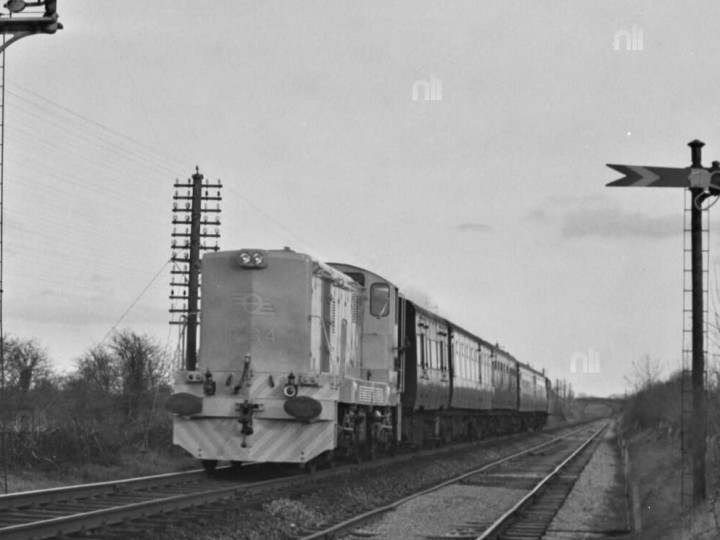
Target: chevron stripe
<point>273,440</point>
<point>642,176</point>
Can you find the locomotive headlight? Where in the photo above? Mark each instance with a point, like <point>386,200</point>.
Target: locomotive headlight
<point>252,259</point>
<point>258,259</point>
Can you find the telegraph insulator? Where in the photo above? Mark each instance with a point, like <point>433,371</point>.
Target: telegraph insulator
<point>187,218</point>
<point>217,231</point>
<point>174,206</point>
<point>173,244</point>
<point>187,205</point>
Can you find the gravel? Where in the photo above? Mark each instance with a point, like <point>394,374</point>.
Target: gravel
<point>596,506</point>
<point>282,518</point>
<point>444,511</point>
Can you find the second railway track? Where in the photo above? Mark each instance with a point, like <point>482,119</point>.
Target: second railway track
<point>532,470</point>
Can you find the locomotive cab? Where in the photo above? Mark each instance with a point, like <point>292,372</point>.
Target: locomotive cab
<point>379,325</point>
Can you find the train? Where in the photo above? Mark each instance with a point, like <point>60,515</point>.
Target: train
<point>307,362</point>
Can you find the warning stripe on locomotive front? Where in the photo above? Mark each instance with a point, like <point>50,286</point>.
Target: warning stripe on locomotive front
<point>272,440</point>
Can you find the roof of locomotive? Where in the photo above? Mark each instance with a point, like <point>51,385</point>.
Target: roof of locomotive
<point>353,267</point>
<point>321,269</point>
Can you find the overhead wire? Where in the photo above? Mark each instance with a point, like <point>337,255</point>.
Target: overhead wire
<point>134,302</point>
<point>88,165</point>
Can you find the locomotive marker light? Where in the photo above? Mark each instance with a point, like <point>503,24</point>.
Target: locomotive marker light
<point>290,389</point>
<point>702,184</point>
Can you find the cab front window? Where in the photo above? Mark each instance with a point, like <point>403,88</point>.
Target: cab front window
<point>379,299</point>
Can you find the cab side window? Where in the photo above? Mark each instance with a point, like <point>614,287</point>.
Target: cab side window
<point>379,299</point>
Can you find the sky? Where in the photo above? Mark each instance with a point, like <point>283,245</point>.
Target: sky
<point>488,199</point>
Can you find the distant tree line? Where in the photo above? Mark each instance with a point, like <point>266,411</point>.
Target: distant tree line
<point>112,401</point>
<point>657,402</point>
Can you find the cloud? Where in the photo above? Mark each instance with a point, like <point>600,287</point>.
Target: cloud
<point>618,223</point>
<point>474,227</point>
<point>538,215</point>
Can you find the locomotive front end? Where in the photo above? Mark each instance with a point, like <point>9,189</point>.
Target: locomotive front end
<point>268,377</point>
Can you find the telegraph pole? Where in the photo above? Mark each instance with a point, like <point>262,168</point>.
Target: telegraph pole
<point>193,293</point>
<point>194,204</point>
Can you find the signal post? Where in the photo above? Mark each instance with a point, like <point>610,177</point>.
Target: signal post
<point>701,183</point>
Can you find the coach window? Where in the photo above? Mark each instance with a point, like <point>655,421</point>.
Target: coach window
<point>480,366</point>
<point>379,299</point>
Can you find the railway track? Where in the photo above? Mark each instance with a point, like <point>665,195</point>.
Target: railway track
<point>123,509</point>
<point>520,521</point>
<point>530,517</point>
<point>72,510</point>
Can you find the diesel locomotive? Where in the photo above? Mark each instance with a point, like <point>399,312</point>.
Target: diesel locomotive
<point>305,362</point>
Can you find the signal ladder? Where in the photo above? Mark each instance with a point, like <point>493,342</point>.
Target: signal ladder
<point>686,416</point>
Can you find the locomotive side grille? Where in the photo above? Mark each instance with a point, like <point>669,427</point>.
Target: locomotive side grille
<point>333,312</point>
<point>356,308</point>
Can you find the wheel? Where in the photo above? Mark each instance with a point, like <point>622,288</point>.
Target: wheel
<point>330,459</point>
<point>357,451</point>
<point>209,466</point>
<point>309,467</point>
